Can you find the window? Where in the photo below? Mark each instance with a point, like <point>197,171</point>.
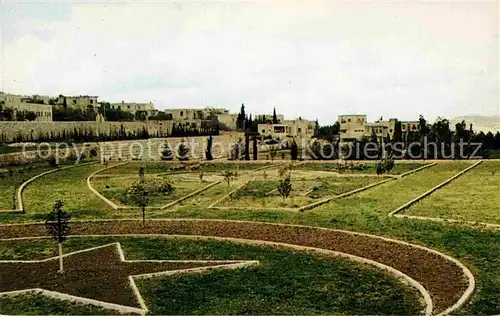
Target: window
<point>349,120</point>
<point>279,129</point>
<point>299,130</point>
<point>74,101</point>
<point>91,101</point>
<point>263,131</point>
<point>182,113</point>
<point>390,130</point>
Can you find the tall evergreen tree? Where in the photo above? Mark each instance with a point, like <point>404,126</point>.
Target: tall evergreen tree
<point>275,117</point>
<point>398,133</point>
<point>255,150</point>
<point>208,151</point>
<point>247,146</point>
<point>241,117</point>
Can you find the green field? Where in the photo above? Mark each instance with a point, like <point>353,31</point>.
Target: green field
<point>307,284</point>
<point>304,191</point>
<point>115,189</point>
<point>10,182</point>
<point>367,167</point>
<point>366,211</point>
<point>474,196</point>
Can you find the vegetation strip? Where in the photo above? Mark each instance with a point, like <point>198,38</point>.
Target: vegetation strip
<point>228,195</point>
<point>189,195</point>
<point>429,192</point>
<point>417,170</point>
<point>447,220</point>
<point>448,281</point>
<point>316,204</point>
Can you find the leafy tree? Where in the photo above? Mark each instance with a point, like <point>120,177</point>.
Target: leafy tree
<point>53,161</point>
<point>31,116</point>
<point>93,152</point>
<point>57,225</point>
<point>228,177</point>
<point>385,165</point>
<point>182,151</point>
<point>166,153</point>
<point>284,188</point>
<point>208,151</point>
<point>139,194</point>
<point>235,151</point>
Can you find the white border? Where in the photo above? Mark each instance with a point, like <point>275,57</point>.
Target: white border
<point>225,264</point>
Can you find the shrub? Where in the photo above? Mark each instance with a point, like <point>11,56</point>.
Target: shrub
<point>93,152</point>
<point>182,151</point>
<point>154,186</point>
<point>53,162</point>
<point>166,153</point>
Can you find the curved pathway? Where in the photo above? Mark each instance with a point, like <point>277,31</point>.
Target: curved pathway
<point>444,280</point>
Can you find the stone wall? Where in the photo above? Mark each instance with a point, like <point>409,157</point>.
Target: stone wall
<point>151,149</point>
<point>35,131</point>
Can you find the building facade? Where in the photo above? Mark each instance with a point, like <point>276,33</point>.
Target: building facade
<point>82,102</point>
<point>133,107</point>
<point>22,105</point>
<point>288,128</point>
<point>355,127</point>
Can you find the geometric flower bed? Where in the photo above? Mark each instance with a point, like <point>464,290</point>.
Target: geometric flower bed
<point>444,282</point>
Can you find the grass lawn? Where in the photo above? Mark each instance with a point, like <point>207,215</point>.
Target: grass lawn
<point>368,167</point>
<point>69,186</point>
<point>115,189</point>
<point>306,284</point>
<point>304,191</point>
<point>37,304</point>
<point>472,197</point>
<point>9,183</point>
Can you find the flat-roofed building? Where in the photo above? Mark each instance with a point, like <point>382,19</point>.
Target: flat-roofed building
<point>82,102</point>
<point>133,107</point>
<point>21,105</point>
<point>355,127</point>
<point>288,128</point>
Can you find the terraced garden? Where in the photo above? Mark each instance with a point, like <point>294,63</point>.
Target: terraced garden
<point>472,197</point>
<point>314,283</point>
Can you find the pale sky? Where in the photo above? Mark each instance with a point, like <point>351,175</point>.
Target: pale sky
<point>310,59</point>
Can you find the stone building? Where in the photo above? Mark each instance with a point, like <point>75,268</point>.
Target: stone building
<point>82,102</point>
<point>133,107</point>
<point>25,104</point>
<point>288,128</point>
<point>355,127</point>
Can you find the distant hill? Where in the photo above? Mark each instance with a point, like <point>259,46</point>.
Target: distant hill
<point>479,123</point>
